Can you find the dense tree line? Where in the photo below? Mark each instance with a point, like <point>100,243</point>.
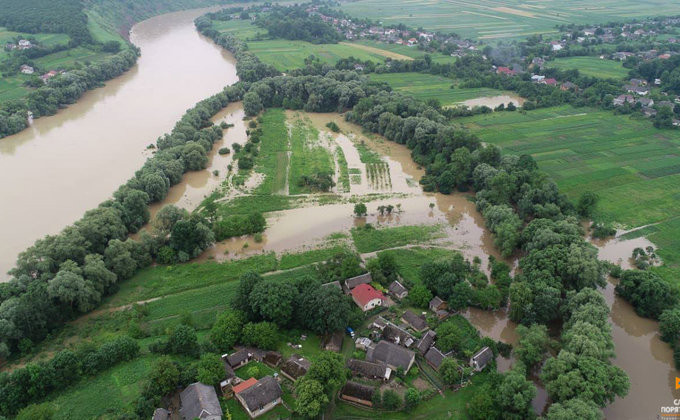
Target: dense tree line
<point>67,274</point>
<point>51,16</point>
<point>35,381</point>
<point>293,22</point>
<point>62,90</point>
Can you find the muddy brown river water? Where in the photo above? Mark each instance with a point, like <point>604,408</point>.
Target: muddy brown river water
<point>65,164</point>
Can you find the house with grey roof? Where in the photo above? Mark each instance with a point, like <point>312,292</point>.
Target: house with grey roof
<point>333,284</point>
<point>434,357</point>
<point>357,393</point>
<point>161,414</point>
<point>397,290</point>
<point>294,367</point>
<point>199,401</point>
<point>379,323</point>
<point>415,321</point>
<point>261,397</point>
<point>398,335</point>
<point>426,342</point>
<point>394,356</point>
<point>480,359</point>
<point>353,282</point>
<point>239,358</point>
<point>333,342</point>
<point>369,370</point>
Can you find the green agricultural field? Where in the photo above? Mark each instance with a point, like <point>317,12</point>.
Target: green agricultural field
<point>427,86</point>
<point>308,156</point>
<point>591,66</point>
<point>633,167</point>
<point>412,52</point>
<point>490,19</point>
<point>376,239</point>
<point>241,29</point>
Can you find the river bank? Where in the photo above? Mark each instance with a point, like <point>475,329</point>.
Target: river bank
<point>65,164</point>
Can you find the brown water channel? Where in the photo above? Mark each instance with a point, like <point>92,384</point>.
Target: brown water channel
<point>63,165</point>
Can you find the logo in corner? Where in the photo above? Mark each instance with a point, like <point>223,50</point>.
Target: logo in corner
<point>677,383</point>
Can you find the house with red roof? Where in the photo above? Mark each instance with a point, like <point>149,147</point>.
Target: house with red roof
<point>366,297</point>
<point>505,70</point>
<point>550,81</point>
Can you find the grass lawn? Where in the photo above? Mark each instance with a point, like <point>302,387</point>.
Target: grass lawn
<point>591,66</point>
<point>427,86</point>
<point>272,160</point>
<point>489,19</point>
<point>410,260</point>
<point>632,166</point>
<point>376,239</point>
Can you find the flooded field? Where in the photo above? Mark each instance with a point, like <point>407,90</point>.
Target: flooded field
<point>494,101</point>
<point>65,164</point>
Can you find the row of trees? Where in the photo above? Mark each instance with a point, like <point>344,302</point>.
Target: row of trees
<point>35,381</point>
<point>67,274</point>
<point>293,22</point>
<point>51,16</point>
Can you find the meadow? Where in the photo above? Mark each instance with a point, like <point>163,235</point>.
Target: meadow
<point>494,20</point>
<point>591,66</point>
<point>632,166</point>
<point>427,86</point>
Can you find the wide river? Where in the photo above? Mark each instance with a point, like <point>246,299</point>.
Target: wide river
<point>63,165</point>
<point>68,163</point>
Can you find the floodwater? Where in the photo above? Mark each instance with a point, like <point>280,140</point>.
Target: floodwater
<point>68,163</point>
<point>298,229</point>
<point>493,101</point>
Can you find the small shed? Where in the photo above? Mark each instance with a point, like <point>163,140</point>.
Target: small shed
<point>357,393</point>
<point>369,370</point>
<point>426,342</point>
<point>294,367</point>
<point>437,304</point>
<point>333,342</point>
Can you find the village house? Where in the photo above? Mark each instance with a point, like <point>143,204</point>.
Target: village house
<point>568,86</point>
<point>47,76</point>
<point>26,69</point>
<point>379,323</point>
<point>556,45</point>
<point>637,82</point>
<point>412,42</point>
<point>392,355</point>
<point>295,367</point>
<point>239,358</point>
<point>398,335</point>
<point>506,71</point>
<point>646,102</point>
<point>333,342</point>
<point>259,397</point>
<point>437,304</point>
<point>200,401</point>
<point>272,358</point>
<point>648,112</point>
<point>161,414</point>
<point>434,357</point>
<point>622,99</point>
<point>357,393</point>
<point>397,290</point>
<point>480,359</point>
<point>369,370</point>
<point>622,55</point>
<point>549,82</point>
<point>333,284</point>
<point>537,78</point>
<point>664,56</point>
<point>639,90</point>
<point>426,342</point>
<point>353,282</point>
<point>415,321</point>
<point>366,297</point>
<point>538,62</point>
<point>25,44</point>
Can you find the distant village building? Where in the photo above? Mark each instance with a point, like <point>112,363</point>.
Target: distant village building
<point>437,304</point>
<point>259,397</point>
<point>397,290</point>
<point>568,86</point>
<point>161,414</point>
<point>537,78</point>
<point>480,359</point>
<point>622,55</point>
<point>392,355</point>
<point>415,321</point>
<point>366,297</point>
<point>369,370</point>
<point>357,393</point>
<point>622,99</point>
<point>26,69</point>
<point>412,42</point>
<point>200,401</point>
<point>506,71</point>
<point>47,76</point>
<point>25,44</point>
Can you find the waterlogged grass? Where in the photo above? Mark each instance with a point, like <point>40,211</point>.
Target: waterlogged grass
<point>308,156</point>
<point>427,86</point>
<point>376,239</point>
<point>343,170</point>
<point>367,155</point>
<point>591,66</point>
<point>272,160</point>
